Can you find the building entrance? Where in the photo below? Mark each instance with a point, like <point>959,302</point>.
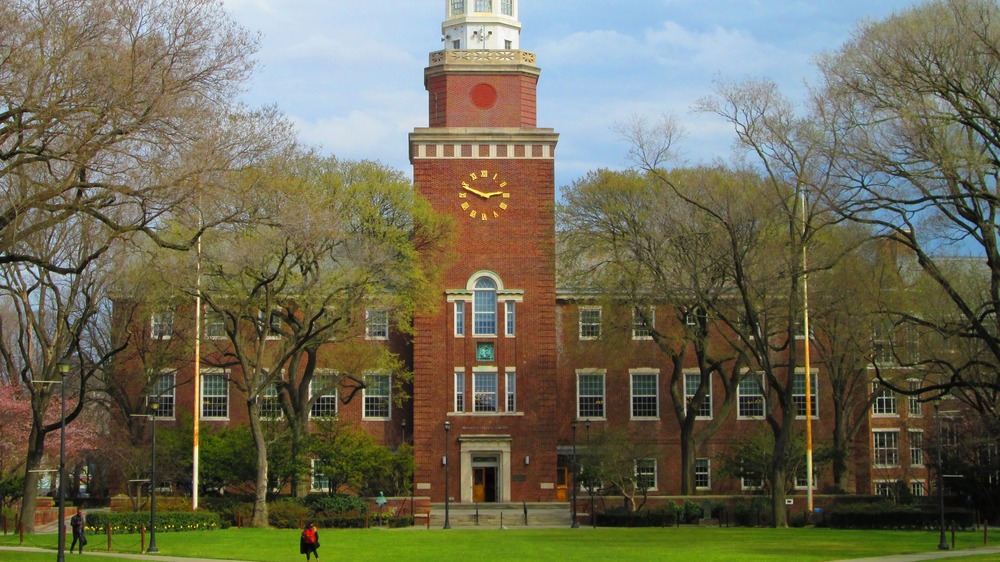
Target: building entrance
<point>485,484</point>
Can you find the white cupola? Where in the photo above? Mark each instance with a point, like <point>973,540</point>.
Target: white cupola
<point>471,25</point>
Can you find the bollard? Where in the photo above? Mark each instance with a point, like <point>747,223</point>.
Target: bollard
<point>20,530</point>
<point>986,535</point>
<point>142,539</point>
<point>953,534</point>
<point>107,531</point>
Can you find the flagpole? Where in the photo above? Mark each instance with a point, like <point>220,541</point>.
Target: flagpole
<point>808,377</point>
<point>196,409</point>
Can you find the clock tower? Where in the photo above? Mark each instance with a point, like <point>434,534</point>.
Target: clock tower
<point>484,361</point>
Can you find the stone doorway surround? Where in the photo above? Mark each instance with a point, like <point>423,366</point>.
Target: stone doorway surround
<point>480,445</point>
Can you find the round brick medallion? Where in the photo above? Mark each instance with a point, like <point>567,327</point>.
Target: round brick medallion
<point>484,96</point>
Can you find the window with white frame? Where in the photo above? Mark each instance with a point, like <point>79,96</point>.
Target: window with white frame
<point>377,324</point>
<point>882,351</point>
<point>799,394</point>
<point>885,400</point>
<point>886,447</point>
<point>918,488</point>
<point>215,327</point>
<point>377,396</point>
<point>590,322</point>
<point>691,383</point>
<point>484,5</point>
<point>270,323</point>
<point>164,391</point>
<point>643,321</point>
<point>507,7</point>
<point>320,482</point>
<point>511,388</point>
<point>457,7</point>
<point>484,392</point>
<point>510,310</point>
<point>914,406</point>
<point>323,391</point>
<point>750,396</point>
<point>645,474</point>
<point>590,394</point>
<point>162,325</point>
<point>459,318</point>
<point>645,398</point>
<point>751,483</point>
<point>801,479</point>
<point>885,488</point>
<point>916,439</point>
<point>703,473</point>
<point>214,396</point>
<point>270,403</point>
<point>459,391</point>
<point>484,307</point>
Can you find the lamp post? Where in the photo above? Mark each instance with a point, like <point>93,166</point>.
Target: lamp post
<point>593,516</point>
<point>447,428</point>
<point>943,544</point>
<point>154,405</point>
<point>576,524</point>
<point>63,370</point>
<point>412,473</point>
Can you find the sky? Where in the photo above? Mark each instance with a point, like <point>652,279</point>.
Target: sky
<point>349,73</point>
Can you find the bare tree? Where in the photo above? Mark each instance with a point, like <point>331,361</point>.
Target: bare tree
<point>626,236</point>
<point>119,111</point>
<point>918,113</point>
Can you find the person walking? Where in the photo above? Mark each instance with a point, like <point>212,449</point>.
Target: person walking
<point>309,543</point>
<point>78,523</point>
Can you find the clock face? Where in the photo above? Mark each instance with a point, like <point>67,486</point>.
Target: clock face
<point>483,196</point>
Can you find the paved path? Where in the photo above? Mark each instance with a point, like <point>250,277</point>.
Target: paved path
<point>936,555</point>
<point>103,555</point>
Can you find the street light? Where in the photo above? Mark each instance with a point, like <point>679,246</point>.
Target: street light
<point>154,405</point>
<point>576,524</point>
<point>593,516</point>
<point>943,544</point>
<point>447,428</point>
<point>63,367</point>
<point>412,473</point>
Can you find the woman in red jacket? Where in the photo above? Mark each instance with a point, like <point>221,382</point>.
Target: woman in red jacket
<point>309,543</point>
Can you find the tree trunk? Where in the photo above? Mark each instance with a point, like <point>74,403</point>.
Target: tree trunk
<point>841,453</point>
<point>300,479</point>
<point>688,447</point>
<point>259,518</point>
<point>779,468</point>
<point>36,451</point>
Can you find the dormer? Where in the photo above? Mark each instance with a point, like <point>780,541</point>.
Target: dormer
<point>481,25</point>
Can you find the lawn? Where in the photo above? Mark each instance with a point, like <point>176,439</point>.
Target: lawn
<point>685,543</point>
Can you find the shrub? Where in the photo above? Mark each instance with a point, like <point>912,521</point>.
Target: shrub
<point>288,514</point>
<point>133,521</point>
<point>339,504</point>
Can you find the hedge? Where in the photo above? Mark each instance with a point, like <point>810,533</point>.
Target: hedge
<point>132,522</point>
<point>889,516</point>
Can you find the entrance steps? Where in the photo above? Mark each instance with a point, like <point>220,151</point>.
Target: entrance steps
<point>502,515</point>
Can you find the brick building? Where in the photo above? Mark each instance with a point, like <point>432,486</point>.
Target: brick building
<point>507,362</point>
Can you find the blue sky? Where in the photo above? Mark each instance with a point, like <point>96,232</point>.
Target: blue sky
<point>349,73</point>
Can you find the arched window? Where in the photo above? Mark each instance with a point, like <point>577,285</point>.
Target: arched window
<point>484,307</point>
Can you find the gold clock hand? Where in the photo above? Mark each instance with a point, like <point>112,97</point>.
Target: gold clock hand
<point>491,194</point>
<point>476,191</point>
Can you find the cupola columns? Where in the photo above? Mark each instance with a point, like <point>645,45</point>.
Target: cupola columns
<point>472,25</point>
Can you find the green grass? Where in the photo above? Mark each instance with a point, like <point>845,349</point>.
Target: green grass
<point>482,545</point>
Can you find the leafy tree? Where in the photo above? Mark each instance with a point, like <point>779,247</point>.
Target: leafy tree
<point>330,240</point>
<point>350,459</point>
<point>611,461</point>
